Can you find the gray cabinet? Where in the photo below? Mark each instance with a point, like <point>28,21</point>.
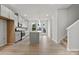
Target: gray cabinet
<point>34,37</point>
<point>17,36</point>
<point>3,33</point>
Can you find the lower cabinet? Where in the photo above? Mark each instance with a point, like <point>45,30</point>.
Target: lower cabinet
<point>3,32</point>
<point>34,37</point>
<point>6,12</point>
<point>17,36</point>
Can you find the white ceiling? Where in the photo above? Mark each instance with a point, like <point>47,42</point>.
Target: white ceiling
<point>37,9</point>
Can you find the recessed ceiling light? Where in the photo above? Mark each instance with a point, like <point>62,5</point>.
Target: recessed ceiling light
<point>47,15</point>
<point>25,15</point>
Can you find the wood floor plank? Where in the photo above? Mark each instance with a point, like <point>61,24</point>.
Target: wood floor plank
<point>45,47</point>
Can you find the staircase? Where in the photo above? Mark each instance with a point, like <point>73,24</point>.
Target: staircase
<point>73,36</point>
<point>63,42</point>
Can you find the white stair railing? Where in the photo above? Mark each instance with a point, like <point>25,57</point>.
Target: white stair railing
<point>73,37</point>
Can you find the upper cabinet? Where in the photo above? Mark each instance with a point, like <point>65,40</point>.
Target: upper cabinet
<point>25,23</point>
<point>12,15</point>
<point>9,14</point>
<point>6,12</point>
<point>20,19</point>
<point>16,21</point>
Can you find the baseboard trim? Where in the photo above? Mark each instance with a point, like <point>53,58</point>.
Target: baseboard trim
<point>55,41</point>
<point>72,49</point>
<point>10,43</point>
<point>62,38</point>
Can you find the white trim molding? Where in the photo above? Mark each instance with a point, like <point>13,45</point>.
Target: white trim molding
<point>55,40</point>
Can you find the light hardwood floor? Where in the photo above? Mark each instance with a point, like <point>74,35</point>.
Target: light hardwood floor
<point>45,47</point>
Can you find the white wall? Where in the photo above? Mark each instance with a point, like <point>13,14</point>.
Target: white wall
<point>61,23</point>
<point>73,14</point>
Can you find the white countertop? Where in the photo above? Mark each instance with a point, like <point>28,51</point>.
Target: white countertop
<point>35,31</point>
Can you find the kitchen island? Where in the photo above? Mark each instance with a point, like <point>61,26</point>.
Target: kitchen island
<point>34,37</point>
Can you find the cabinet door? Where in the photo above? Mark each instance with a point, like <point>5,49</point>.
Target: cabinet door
<point>20,19</point>
<point>4,11</point>
<point>12,16</point>
<point>3,32</point>
<point>7,12</point>
<point>24,23</point>
<point>34,37</point>
<point>17,36</point>
<point>16,21</point>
